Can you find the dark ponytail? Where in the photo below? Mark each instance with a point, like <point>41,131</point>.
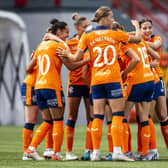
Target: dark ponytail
<point>56,24</point>
<point>53,21</point>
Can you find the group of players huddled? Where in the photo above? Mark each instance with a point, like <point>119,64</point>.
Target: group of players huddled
<point>113,70</point>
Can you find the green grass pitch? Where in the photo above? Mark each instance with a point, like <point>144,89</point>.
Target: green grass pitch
<point>11,151</point>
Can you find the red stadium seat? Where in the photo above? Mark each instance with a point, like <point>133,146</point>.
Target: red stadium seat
<point>20,3</point>
<point>57,2</point>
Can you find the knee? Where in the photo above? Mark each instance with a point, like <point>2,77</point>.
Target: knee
<point>162,116</point>
<point>31,120</point>
<point>72,116</point>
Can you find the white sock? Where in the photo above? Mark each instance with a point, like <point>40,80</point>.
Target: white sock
<point>96,151</point>
<point>152,150</point>
<point>117,150</point>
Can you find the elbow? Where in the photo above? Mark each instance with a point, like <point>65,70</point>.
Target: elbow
<point>138,40</point>
<point>83,78</point>
<point>155,47</point>
<point>158,57</point>
<point>28,70</point>
<point>71,68</point>
<point>137,59</point>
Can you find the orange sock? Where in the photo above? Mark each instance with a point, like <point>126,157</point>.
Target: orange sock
<point>125,137</point>
<point>58,134</point>
<point>96,132</point>
<point>145,137</point>
<point>88,140</point>
<point>69,136</point>
<point>153,144</point>
<point>117,131</point>
<point>129,140</point>
<point>109,138</point>
<point>27,138</point>
<point>49,138</point>
<point>40,134</point>
<point>139,144</point>
<point>164,129</point>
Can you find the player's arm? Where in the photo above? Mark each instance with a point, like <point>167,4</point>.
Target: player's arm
<point>50,36</point>
<point>155,45</point>
<point>67,54</point>
<point>153,53</point>
<point>134,61</point>
<point>154,63</point>
<point>31,65</point>
<point>82,47</point>
<point>137,37</point>
<point>74,65</point>
<point>84,74</point>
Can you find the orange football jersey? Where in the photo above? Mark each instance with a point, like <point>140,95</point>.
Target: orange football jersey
<point>103,47</point>
<point>30,78</point>
<point>74,77</point>
<point>155,74</point>
<point>88,74</point>
<point>142,72</point>
<point>49,65</point>
<point>153,39</point>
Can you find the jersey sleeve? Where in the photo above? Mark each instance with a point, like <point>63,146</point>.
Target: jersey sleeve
<point>35,55</point>
<point>125,47</point>
<point>32,55</point>
<point>122,36</point>
<point>83,42</point>
<point>62,46</point>
<point>157,38</point>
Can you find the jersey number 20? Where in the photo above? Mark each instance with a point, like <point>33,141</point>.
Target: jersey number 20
<point>104,53</point>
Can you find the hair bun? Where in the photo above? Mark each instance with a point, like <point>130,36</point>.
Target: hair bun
<point>53,21</point>
<point>75,16</point>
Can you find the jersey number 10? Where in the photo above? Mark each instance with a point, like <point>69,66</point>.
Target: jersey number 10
<point>44,64</point>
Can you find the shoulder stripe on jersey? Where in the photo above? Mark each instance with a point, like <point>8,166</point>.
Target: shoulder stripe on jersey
<point>153,35</point>
<point>57,41</point>
<point>114,29</point>
<point>90,30</point>
<point>52,40</point>
<point>72,37</point>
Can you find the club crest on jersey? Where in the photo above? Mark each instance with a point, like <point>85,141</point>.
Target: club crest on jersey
<point>74,48</point>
